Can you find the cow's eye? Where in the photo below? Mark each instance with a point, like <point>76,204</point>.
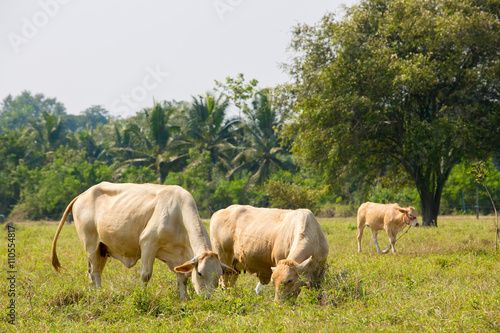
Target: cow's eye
<point>289,281</point>
<point>199,274</point>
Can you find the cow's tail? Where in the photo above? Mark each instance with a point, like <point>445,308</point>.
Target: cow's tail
<point>53,257</point>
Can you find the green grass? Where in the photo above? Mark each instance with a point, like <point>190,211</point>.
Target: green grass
<point>444,279</point>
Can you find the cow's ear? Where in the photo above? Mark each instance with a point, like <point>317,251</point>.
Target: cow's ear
<point>403,210</point>
<point>187,266</point>
<point>227,270</point>
<point>304,264</point>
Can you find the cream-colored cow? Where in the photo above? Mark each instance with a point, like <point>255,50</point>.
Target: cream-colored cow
<point>277,245</point>
<point>388,217</point>
<point>144,221</point>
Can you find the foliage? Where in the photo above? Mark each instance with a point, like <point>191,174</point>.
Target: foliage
<point>413,84</point>
<point>291,192</point>
<point>461,190</point>
<point>237,191</point>
<point>18,111</point>
<point>238,90</point>
<point>260,151</point>
<point>215,195</point>
<point>46,192</point>
<point>89,118</point>
<point>153,132</point>
<point>480,174</point>
<point>208,129</point>
<point>407,196</point>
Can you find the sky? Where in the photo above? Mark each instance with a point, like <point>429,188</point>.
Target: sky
<point>123,54</point>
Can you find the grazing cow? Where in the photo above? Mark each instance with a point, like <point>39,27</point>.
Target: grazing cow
<point>275,244</point>
<point>144,221</point>
<point>388,217</point>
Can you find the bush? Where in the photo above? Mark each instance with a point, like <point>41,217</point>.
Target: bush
<point>48,190</point>
<point>292,196</point>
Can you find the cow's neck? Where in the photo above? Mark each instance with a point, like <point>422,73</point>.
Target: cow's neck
<point>198,235</point>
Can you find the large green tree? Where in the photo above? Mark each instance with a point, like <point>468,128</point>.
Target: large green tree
<point>398,85</point>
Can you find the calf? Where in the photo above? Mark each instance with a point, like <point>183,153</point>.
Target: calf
<point>388,217</point>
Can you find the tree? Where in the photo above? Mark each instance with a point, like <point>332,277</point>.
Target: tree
<point>208,129</point>
<point>260,152</point>
<point>413,85</point>
<point>89,118</point>
<point>153,147</point>
<point>14,149</point>
<point>18,111</point>
<point>48,131</point>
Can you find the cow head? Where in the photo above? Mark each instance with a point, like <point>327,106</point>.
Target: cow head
<point>410,216</point>
<point>286,279</point>
<point>206,269</point>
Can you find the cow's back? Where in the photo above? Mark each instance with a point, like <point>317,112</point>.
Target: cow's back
<point>376,215</point>
<point>118,214</point>
<point>248,233</point>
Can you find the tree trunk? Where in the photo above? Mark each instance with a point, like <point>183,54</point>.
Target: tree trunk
<point>429,209</point>
<point>430,189</point>
<point>430,201</point>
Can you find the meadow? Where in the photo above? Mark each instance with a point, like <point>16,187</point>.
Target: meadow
<point>444,279</point>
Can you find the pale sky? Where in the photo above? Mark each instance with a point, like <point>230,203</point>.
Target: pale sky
<point>122,54</point>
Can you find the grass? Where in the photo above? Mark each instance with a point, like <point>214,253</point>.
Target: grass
<point>444,279</point>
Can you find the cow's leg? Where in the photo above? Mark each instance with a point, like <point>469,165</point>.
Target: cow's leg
<point>359,235</point>
<point>89,272</point>
<point>96,265</point>
<point>375,241</point>
<point>147,260</point>
<point>182,284</point>
<point>392,239</point>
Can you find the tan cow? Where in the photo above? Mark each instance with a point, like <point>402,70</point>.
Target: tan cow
<point>277,245</point>
<point>388,217</point>
<point>144,221</point>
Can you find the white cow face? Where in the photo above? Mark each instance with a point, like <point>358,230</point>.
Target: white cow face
<point>206,269</point>
<point>286,279</point>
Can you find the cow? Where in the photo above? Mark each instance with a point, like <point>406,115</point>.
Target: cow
<point>388,217</point>
<point>276,245</point>
<point>129,222</point>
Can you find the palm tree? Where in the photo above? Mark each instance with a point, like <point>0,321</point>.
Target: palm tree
<point>261,151</point>
<point>208,130</point>
<point>48,131</point>
<point>151,144</point>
